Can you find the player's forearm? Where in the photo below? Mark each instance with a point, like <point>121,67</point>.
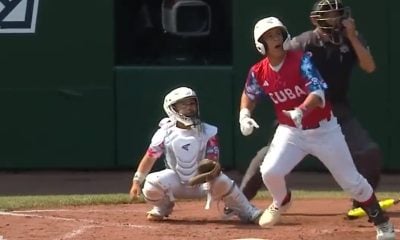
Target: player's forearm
<point>146,164</point>
<point>312,101</point>
<point>246,102</point>
<point>365,59</point>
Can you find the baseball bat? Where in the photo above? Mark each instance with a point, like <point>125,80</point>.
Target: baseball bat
<point>359,212</point>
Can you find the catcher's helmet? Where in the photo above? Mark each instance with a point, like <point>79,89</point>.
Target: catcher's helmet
<point>263,26</point>
<point>175,96</point>
<point>328,15</point>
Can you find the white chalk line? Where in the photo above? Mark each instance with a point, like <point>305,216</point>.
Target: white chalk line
<point>42,210</point>
<point>76,210</point>
<point>76,232</point>
<point>36,216</point>
<point>105,224</point>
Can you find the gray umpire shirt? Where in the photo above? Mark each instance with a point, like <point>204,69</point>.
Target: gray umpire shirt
<point>335,62</point>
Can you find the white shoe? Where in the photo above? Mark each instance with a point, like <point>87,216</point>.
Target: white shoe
<point>159,213</point>
<point>272,215</point>
<point>385,231</point>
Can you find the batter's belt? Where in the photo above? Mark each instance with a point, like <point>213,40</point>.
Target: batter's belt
<point>315,125</point>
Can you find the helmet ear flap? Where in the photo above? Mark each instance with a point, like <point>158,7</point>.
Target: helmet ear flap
<point>261,48</point>
<point>264,25</point>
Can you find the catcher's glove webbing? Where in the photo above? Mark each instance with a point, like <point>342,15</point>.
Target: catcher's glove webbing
<point>206,171</point>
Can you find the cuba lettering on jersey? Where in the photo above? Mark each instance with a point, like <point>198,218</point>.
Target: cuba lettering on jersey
<point>184,148</point>
<point>289,86</point>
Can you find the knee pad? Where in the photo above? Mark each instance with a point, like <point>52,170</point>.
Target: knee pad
<point>221,186</point>
<point>153,192</point>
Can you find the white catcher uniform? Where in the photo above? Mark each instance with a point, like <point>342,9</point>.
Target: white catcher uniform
<point>183,149</point>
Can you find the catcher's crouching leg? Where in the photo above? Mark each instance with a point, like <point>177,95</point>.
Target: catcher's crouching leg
<point>156,195</point>
<point>223,188</point>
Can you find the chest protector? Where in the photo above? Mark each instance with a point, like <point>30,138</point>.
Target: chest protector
<point>184,148</point>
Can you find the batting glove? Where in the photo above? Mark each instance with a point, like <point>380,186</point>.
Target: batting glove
<point>247,124</point>
<point>296,115</point>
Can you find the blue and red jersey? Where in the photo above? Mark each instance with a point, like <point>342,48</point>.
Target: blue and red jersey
<point>289,86</point>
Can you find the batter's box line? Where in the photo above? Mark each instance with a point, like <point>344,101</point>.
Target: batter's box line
<point>76,210</point>
<point>75,232</point>
<point>105,224</point>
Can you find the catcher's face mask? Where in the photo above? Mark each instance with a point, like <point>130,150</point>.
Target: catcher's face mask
<point>327,15</point>
<point>187,108</point>
<point>182,105</point>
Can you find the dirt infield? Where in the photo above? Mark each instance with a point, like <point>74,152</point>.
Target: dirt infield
<point>306,219</point>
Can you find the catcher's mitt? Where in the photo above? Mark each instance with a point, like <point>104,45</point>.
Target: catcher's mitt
<point>206,171</point>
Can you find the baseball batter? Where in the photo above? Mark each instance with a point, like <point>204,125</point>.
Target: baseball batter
<point>185,141</point>
<point>306,125</point>
<point>337,47</point>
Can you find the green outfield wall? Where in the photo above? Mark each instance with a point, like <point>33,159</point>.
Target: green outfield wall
<point>57,89</point>
<point>66,101</point>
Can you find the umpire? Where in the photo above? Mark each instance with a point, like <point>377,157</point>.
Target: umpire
<point>336,47</point>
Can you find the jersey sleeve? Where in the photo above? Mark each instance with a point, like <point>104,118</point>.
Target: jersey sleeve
<point>315,84</point>
<point>156,147</point>
<point>212,149</point>
<point>212,145</point>
<point>314,80</point>
<point>252,89</point>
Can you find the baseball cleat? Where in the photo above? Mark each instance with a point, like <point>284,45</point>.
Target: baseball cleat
<point>159,213</point>
<point>272,215</point>
<point>385,231</point>
<point>154,217</point>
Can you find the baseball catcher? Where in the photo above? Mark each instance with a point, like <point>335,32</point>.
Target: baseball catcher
<point>191,153</point>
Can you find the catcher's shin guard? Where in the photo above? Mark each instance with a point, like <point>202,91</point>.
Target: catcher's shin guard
<point>162,201</point>
<point>241,207</point>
